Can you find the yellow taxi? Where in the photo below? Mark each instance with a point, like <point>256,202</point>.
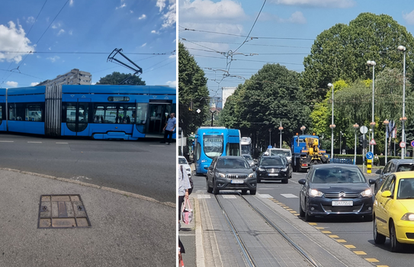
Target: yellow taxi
<point>393,212</point>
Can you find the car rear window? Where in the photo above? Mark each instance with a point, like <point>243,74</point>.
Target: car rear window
<point>405,168</point>
<point>271,162</point>
<point>406,189</point>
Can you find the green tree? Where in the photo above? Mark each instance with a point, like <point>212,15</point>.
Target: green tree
<point>117,78</point>
<point>342,51</point>
<point>193,94</point>
<point>269,97</point>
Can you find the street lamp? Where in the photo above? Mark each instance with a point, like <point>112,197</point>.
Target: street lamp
<point>332,126</point>
<point>302,129</point>
<point>356,126</point>
<point>372,63</point>
<point>402,48</point>
<point>280,129</point>
<point>386,122</point>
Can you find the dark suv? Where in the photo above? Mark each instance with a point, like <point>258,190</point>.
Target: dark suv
<point>394,165</point>
<point>231,172</point>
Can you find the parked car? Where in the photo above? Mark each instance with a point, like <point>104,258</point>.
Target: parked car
<point>183,161</point>
<point>249,159</point>
<point>335,190</point>
<point>394,210</point>
<point>394,165</point>
<point>273,168</point>
<point>231,172</point>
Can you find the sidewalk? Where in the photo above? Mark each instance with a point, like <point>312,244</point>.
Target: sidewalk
<point>126,229</point>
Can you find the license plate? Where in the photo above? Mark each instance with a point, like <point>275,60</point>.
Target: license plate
<point>342,203</point>
<point>273,174</point>
<point>237,182</point>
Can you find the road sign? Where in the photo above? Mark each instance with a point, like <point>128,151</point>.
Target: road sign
<point>402,144</point>
<point>370,155</point>
<point>363,129</point>
<point>372,142</point>
<point>412,143</point>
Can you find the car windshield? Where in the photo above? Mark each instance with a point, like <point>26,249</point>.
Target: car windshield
<point>271,162</point>
<point>232,164</point>
<point>337,175</point>
<point>405,167</point>
<point>280,152</point>
<point>247,156</point>
<point>182,161</point>
<point>406,189</point>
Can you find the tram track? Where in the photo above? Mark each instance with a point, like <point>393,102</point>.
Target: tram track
<point>245,251</point>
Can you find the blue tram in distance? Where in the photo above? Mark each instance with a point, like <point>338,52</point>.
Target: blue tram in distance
<point>126,112</point>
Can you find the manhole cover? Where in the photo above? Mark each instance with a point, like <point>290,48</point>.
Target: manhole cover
<point>62,211</point>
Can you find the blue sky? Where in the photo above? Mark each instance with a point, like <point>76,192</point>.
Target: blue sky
<point>286,30</point>
<point>41,39</point>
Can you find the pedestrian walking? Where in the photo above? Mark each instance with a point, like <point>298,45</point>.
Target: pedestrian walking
<point>169,129</point>
<point>183,186</point>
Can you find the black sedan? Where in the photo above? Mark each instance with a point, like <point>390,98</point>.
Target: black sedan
<point>231,173</point>
<point>274,168</point>
<point>336,190</point>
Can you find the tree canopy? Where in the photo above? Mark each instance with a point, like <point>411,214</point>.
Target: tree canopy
<point>193,92</point>
<point>342,52</point>
<point>121,78</point>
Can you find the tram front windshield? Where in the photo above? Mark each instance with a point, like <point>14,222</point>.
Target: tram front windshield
<point>213,145</point>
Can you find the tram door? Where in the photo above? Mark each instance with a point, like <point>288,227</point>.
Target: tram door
<point>159,113</point>
<point>77,117</point>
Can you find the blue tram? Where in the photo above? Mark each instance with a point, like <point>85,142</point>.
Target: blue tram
<point>98,111</point>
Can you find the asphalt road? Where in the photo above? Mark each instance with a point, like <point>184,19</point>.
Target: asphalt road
<point>355,232</point>
<point>144,167</point>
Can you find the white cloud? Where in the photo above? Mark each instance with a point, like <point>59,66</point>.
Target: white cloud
<point>56,25</point>
<point>12,84</point>
<point>34,83</point>
<point>297,17</point>
<point>60,32</point>
<point>53,59</point>
<point>172,56</point>
<point>409,18</point>
<point>30,20</point>
<point>71,2</point>
<point>161,4</point>
<point>144,44</point>
<point>122,5</point>
<point>207,9</point>
<point>13,38</point>
<point>172,83</point>
<point>154,31</point>
<point>143,16</point>
<point>170,16</point>
<point>317,3</point>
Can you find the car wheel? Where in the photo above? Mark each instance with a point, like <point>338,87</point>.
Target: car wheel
<point>395,245</point>
<point>215,189</point>
<point>244,191</point>
<point>209,188</point>
<point>378,238</point>
<point>308,217</point>
<point>301,212</point>
<point>252,192</point>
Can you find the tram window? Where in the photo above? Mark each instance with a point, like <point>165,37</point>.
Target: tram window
<point>130,112</point>
<point>99,113</point>
<point>16,112</point>
<point>125,113</point>
<point>110,114</point>
<point>83,112</point>
<point>142,113</point>
<point>71,113</point>
<point>33,112</point>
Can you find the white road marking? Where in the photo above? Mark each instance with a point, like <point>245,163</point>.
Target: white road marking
<point>62,143</point>
<point>200,196</point>
<point>229,196</point>
<point>264,195</point>
<point>34,142</point>
<point>6,141</point>
<point>289,195</point>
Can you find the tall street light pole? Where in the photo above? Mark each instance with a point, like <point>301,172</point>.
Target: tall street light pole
<point>356,126</point>
<point>372,63</point>
<point>280,129</point>
<point>386,122</point>
<point>332,126</point>
<point>403,118</point>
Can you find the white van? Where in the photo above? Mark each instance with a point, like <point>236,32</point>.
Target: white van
<point>281,151</point>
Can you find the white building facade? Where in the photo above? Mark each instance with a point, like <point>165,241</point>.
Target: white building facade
<point>75,76</point>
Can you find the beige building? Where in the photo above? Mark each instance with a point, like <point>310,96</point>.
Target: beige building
<point>75,76</point>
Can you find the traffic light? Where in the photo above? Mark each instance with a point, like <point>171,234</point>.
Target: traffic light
<point>362,142</point>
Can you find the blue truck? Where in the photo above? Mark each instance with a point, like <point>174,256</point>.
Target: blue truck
<point>306,152</point>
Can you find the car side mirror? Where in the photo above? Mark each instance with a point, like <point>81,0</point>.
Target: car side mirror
<point>302,181</point>
<point>371,181</point>
<point>386,193</point>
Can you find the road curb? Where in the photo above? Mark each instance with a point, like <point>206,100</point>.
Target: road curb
<point>125,193</point>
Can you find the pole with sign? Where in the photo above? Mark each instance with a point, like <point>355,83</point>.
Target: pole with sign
<point>363,130</point>
<point>412,145</point>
